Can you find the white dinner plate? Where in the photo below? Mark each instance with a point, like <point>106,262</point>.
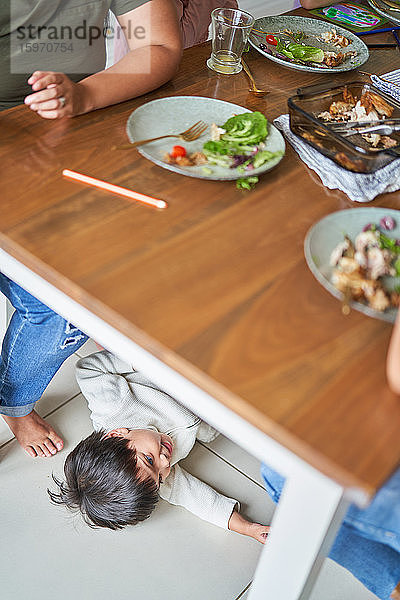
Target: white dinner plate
<point>325,235</point>
<point>311,28</point>
<point>177,113</point>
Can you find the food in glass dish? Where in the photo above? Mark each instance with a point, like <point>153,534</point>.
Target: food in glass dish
<point>361,269</point>
<point>370,108</point>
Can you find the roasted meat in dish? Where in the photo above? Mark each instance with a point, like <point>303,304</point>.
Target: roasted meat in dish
<point>370,108</point>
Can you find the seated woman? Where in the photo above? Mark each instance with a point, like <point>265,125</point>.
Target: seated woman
<point>74,81</point>
<point>194,18</point>
<point>38,340</point>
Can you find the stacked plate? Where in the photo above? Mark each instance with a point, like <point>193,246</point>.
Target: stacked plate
<point>387,8</point>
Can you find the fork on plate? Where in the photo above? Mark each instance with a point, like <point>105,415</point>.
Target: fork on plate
<point>189,135</point>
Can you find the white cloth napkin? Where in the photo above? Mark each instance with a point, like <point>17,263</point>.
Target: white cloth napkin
<point>359,187</point>
<point>388,83</point>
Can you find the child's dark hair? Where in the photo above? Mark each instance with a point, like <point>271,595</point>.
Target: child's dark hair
<point>102,481</point>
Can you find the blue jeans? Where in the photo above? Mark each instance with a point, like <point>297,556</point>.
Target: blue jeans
<point>36,344</point>
<point>368,542</point>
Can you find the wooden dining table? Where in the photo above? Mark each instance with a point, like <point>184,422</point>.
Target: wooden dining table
<point>212,297</point>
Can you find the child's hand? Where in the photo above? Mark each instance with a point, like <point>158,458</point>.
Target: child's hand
<point>241,525</point>
<point>259,532</point>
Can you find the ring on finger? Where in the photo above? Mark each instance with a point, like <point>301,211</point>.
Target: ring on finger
<point>61,101</point>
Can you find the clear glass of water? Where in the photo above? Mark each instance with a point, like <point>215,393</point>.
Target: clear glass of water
<point>230,32</point>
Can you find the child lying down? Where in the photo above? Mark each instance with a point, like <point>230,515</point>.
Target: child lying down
<point>115,475</point>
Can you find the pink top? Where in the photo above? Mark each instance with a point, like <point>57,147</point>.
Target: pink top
<point>194,17</point>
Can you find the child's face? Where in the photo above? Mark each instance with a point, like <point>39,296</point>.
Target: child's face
<point>153,450</point>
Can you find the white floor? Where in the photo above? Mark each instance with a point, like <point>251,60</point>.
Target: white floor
<point>48,553</point>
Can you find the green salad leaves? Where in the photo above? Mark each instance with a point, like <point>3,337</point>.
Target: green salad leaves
<point>296,51</point>
<point>221,152</point>
<point>242,144</point>
<point>248,128</point>
<point>246,183</point>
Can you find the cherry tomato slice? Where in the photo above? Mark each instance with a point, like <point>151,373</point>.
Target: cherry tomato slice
<point>178,151</point>
<point>271,40</point>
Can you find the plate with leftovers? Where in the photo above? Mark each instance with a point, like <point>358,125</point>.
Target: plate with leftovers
<point>355,255</point>
<point>308,44</point>
<point>237,143</point>
<point>385,10</point>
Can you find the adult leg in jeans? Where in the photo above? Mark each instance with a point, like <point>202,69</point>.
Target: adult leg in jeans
<point>368,542</point>
<point>36,344</point>
<point>376,565</point>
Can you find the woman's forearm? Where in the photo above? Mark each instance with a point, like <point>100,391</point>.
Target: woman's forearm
<point>153,58</point>
<point>138,72</point>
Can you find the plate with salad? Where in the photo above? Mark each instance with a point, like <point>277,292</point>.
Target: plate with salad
<point>355,255</point>
<point>308,44</point>
<point>237,145</point>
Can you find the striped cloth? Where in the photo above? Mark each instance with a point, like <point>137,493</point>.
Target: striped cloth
<point>388,83</point>
<point>359,187</point>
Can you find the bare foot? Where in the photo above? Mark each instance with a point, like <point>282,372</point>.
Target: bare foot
<point>36,436</point>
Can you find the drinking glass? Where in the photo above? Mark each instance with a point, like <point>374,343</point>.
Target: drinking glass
<point>230,32</point>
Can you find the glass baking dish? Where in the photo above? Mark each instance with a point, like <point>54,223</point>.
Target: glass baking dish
<point>353,153</point>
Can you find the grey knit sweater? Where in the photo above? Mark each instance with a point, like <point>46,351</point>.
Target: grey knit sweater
<point>120,397</point>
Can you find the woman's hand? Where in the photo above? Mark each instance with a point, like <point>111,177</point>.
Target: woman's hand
<point>55,95</point>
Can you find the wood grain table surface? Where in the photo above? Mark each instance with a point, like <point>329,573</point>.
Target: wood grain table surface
<point>216,285</point>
